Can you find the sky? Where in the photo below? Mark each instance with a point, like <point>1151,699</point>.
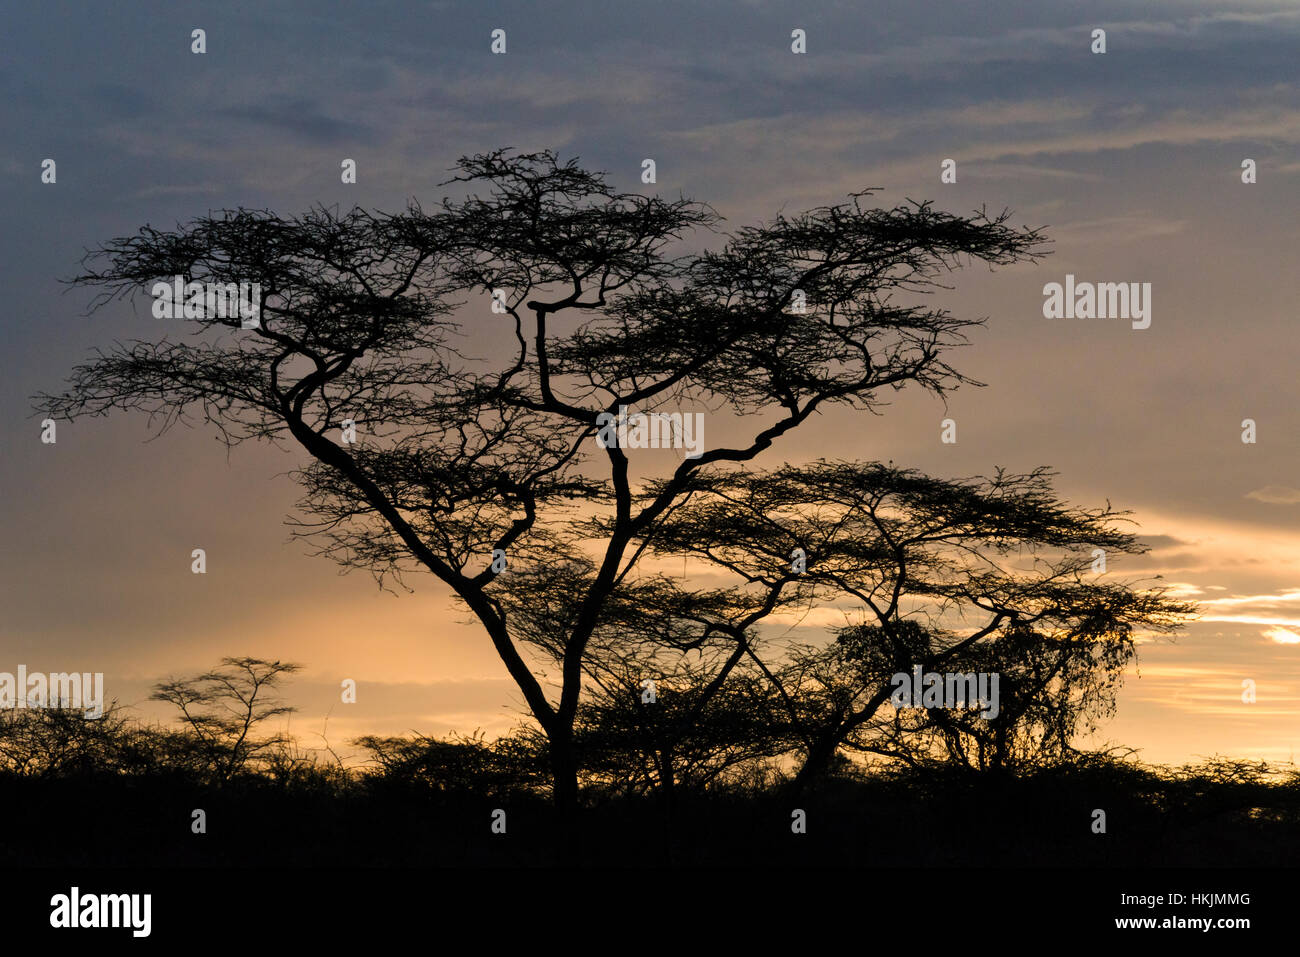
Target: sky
<point>1130,160</point>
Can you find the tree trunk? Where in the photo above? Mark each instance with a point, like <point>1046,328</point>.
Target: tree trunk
<point>667,792</point>
<point>816,763</point>
<point>564,791</point>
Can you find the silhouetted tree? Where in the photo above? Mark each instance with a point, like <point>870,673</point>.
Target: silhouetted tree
<point>461,456</point>
<point>49,742</point>
<point>688,737</point>
<point>1051,688</point>
<point>224,708</point>
<point>948,573</point>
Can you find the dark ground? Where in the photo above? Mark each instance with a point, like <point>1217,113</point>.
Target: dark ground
<point>911,819</point>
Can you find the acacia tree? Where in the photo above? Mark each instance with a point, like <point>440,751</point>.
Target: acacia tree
<point>226,707</point>
<point>459,457</point>
<point>1051,688</point>
<point>948,574</point>
<point>48,742</point>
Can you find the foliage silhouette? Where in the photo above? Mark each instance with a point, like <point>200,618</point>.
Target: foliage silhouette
<point>460,456</point>
<point>426,802</point>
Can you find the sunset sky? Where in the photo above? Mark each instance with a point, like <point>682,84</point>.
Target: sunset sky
<point>1130,160</point>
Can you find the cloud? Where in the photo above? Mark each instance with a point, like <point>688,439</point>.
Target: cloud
<point>1286,596</point>
<point>1131,228</point>
<point>302,118</point>
<point>1020,171</point>
<point>1276,495</point>
<point>1274,610</point>
<point>196,189</point>
<point>1254,620</point>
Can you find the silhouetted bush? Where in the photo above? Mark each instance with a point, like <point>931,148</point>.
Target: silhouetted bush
<point>117,791</point>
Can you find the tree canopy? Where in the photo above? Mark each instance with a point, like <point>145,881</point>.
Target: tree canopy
<point>464,460</point>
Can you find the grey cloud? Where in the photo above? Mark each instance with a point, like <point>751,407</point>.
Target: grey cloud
<point>1276,495</point>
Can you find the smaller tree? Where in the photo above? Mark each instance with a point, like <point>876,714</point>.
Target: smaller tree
<point>225,709</point>
<point>995,571</point>
<point>694,734</point>
<point>1052,687</point>
<point>54,742</point>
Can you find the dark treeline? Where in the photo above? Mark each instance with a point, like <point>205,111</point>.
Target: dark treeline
<point>119,791</point>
